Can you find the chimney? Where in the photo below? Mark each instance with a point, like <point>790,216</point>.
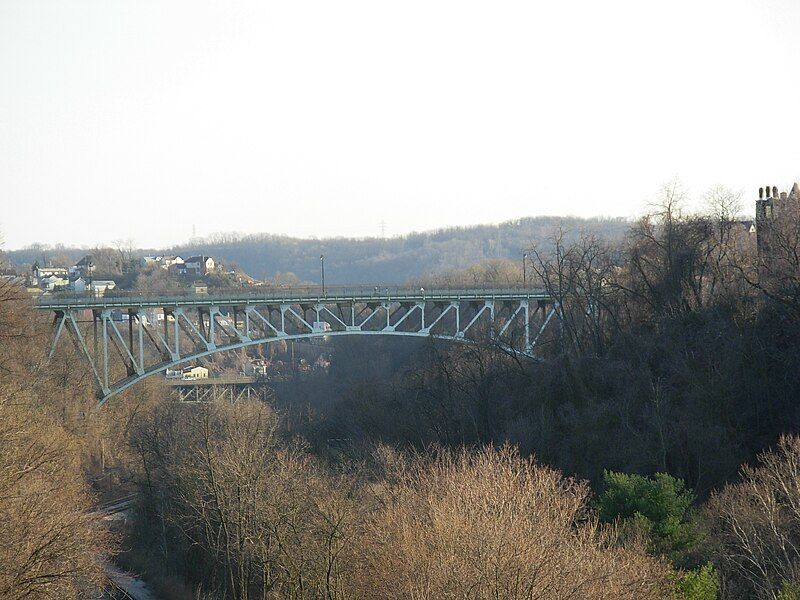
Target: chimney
<point>764,204</point>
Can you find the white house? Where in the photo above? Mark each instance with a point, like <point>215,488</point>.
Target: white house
<point>189,373</point>
<point>51,282</point>
<point>167,261</point>
<point>99,287</point>
<point>194,373</point>
<point>199,265</point>
<point>48,271</point>
<point>42,273</point>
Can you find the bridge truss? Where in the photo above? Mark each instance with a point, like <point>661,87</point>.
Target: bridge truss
<point>219,389</point>
<point>127,338</point>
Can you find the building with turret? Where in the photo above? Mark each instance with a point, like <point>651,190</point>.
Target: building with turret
<point>776,215</point>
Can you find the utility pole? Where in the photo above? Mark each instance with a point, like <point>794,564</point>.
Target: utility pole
<point>322,264</point>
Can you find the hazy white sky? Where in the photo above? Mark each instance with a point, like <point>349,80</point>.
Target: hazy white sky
<point>140,119</point>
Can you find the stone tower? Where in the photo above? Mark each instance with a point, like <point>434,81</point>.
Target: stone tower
<point>765,212</point>
<point>771,208</point>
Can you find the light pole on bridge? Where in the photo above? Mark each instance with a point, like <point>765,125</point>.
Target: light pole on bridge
<point>525,270</point>
<point>322,264</point>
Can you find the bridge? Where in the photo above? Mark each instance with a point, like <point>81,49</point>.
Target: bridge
<point>214,389</point>
<point>126,337</point>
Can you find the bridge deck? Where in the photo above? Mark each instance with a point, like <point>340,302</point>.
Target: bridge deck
<point>345,294</point>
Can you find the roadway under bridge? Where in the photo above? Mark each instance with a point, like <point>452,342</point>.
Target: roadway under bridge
<point>127,337</point>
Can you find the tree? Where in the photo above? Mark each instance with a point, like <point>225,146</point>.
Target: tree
<point>657,507</point>
<point>578,275</point>
<point>51,544</point>
<point>755,525</point>
<point>254,515</point>
<point>698,584</point>
<point>490,524</point>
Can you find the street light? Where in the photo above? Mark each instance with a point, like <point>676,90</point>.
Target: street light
<point>322,263</point>
<point>524,270</point>
<point>90,269</point>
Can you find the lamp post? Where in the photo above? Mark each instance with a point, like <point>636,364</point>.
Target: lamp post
<point>322,265</point>
<point>524,270</point>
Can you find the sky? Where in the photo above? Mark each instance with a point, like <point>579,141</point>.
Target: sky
<point>148,120</point>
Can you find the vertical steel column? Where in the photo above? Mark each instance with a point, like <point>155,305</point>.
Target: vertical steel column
<point>201,323</point>
<point>166,331</point>
<point>104,316</point>
<point>130,333</point>
<point>490,304</point>
<point>94,328</point>
<point>211,328</point>
<point>176,328</point>
<point>560,315</point>
<point>141,340</point>
<point>527,317</point>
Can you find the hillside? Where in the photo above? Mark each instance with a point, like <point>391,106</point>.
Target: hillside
<point>347,260</point>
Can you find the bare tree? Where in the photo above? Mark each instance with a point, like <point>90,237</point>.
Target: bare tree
<point>51,545</point>
<point>755,524</point>
<point>489,524</point>
<point>580,277</point>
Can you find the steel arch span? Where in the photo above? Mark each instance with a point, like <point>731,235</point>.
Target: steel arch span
<point>125,338</point>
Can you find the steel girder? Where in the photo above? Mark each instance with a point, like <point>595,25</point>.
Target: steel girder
<point>126,340</point>
<point>217,392</point>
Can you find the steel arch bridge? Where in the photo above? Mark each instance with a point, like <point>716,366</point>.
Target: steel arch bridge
<point>125,338</point>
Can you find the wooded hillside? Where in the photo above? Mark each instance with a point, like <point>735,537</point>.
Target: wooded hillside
<point>370,260</point>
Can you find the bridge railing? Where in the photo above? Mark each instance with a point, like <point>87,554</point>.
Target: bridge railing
<point>119,298</point>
